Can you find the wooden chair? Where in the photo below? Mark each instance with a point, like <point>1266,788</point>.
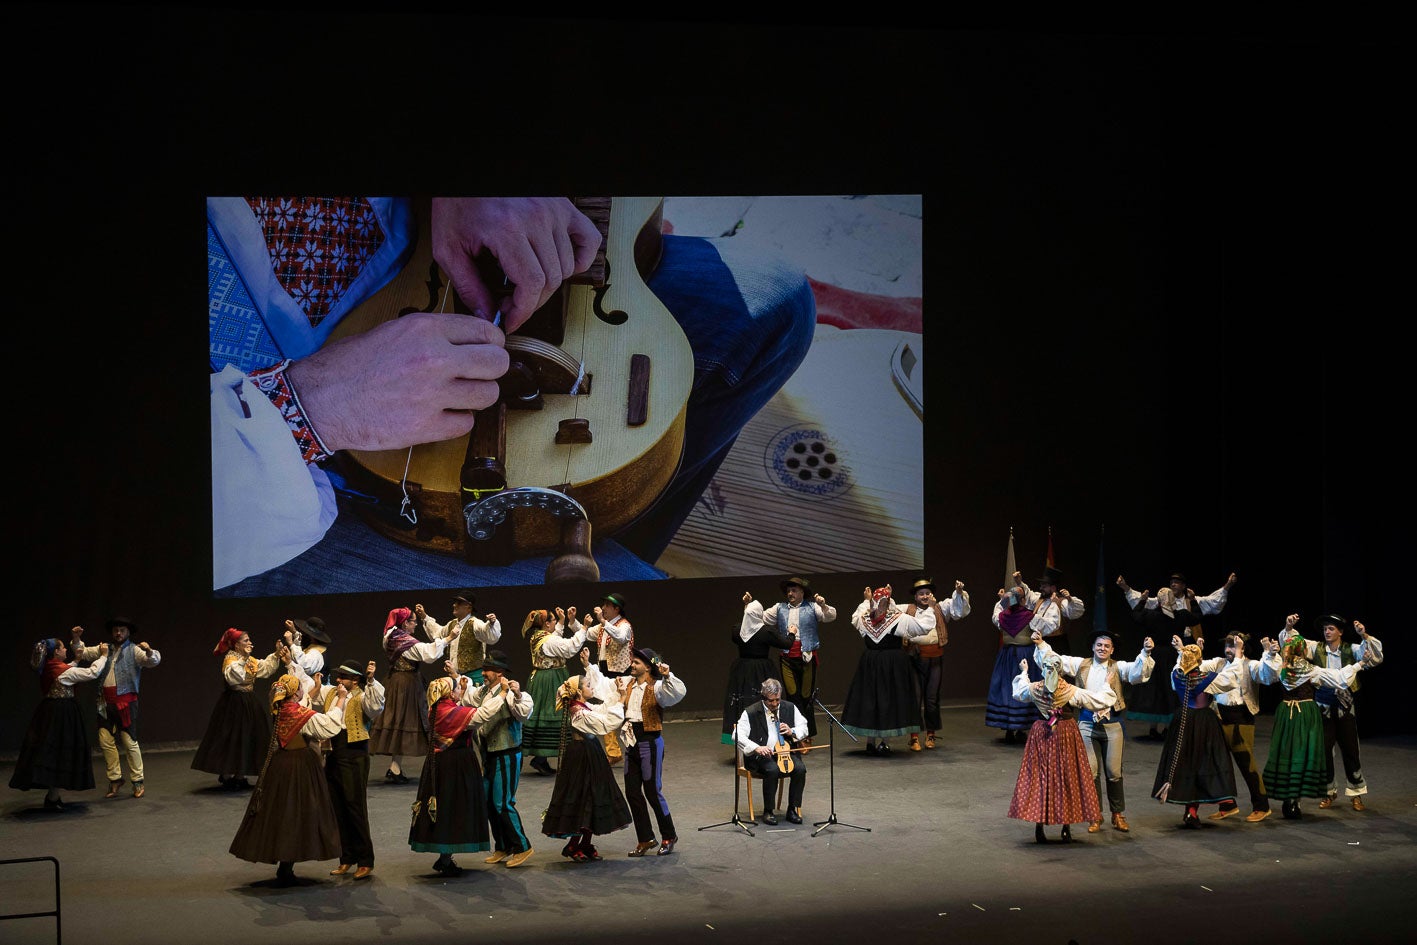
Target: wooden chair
<point>748,775</point>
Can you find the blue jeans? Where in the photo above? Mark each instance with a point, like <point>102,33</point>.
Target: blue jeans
<point>749,319</point>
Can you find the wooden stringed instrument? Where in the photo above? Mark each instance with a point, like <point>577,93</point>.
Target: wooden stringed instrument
<point>589,427</point>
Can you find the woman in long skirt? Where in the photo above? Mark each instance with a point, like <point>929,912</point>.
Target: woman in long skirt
<point>1055,783</point>
<point>1298,762</point>
<point>1194,768</point>
<point>450,814</point>
<point>551,643</point>
<point>289,818</point>
<point>239,729</point>
<point>883,700</point>
<point>748,670</point>
<point>402,729</point>
<point>56,754</point>
<point>586,800</point>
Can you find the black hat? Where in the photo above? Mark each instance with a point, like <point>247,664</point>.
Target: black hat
<point>1051,576</point>
<point>615,599</point>
<point>496,660</point>
<point>923,582</point>
<point>1326,619</point>
<point>346,669</point>
<point>1176,576</point>
<point>466,597</point>
<point>646,655</point>
<point>314,628</point>
<point>799,582</point>
<point>121,622</point>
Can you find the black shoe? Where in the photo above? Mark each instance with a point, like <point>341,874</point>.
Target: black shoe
<point>391,778</point>
<point>541,766</point>
<point>445,865</point>
<point>285,874</point>
<point>55,805</point>
<point>885,749</point>
<point>666,846</point>
<point>768,817</point>
<point>793,817</point>
<point>1038,836</point>
<point>238,784</point>
<point>1190,821</point>
<point>871,749</point>
<point>1067,834</point>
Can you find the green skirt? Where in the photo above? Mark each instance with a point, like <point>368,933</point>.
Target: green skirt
<point>1296,765</point>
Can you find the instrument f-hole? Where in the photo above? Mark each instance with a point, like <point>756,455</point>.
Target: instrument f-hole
<point>614,316</point>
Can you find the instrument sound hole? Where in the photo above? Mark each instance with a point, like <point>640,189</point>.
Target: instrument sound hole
<point>805,462</point>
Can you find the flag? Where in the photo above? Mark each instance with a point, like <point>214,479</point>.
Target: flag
<point>1050,563</point>
<point>1009,564</point>
<point>1099,599</point>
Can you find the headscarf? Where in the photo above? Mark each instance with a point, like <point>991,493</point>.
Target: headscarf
<point>43,661</point>
<point>290,715</point>
<point>396,638</point>
<point>1052,667</point>
<point>878,615</point>
<point>537,618</point>
<point>569,692</point>
<point>227,641</point>
<point>1189,658</point>
<point>1294,656</point>
<point>447,720</point>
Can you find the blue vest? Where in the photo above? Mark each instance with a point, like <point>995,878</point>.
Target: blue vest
<point>806,623</point>
<point>126,670</point>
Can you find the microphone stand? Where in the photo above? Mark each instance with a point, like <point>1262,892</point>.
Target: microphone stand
<point>831,767</point>
<point>735,820</point>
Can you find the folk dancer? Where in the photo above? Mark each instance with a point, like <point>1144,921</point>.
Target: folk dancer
<point>1101,729</point>
<point>401,728</point>
<point>552,641</point>
<point>502,708</point>
<point>1237,709</point>
<point>881,701</point>
<point>649,688</point>
<point>801,620</point>
<point>55,754</point>
<point>1055,784</point>
<point>927,653</point>
<point>118,700</point>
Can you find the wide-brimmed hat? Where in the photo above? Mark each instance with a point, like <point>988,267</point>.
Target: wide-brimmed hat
<point>496,660</point>
<point>1051,576</point>
<point>923,582</point>
<point>646,655</point>
<point>121,622</point>
<point>1325,619</point>
<point>465,597</point>
<point>614,598</point>
<point>348,668</point>
<point>312,627</point>
<point>798,582</point>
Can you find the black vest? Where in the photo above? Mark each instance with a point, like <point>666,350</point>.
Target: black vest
<point>758,720</point>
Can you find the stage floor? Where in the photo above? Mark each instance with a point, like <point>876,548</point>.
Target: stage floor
<point>938,857</point>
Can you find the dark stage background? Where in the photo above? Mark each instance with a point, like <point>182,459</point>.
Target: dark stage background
<point>1162,284</point>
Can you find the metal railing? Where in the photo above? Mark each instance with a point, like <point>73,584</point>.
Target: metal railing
<point>58,933</point>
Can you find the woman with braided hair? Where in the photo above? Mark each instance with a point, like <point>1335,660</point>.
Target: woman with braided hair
<point>56,753</point>
<point>289,818</point>
<point>239,729</point>
<point>552,642</point>
<point>586,800</point>
<point>1194,767</point>
<point>450,813</point>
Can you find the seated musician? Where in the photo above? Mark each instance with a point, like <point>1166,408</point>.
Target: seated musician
<point>283,272</point>
<point>764,728</point>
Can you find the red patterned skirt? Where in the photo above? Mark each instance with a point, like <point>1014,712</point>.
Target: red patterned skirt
<point>1055,784</point>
